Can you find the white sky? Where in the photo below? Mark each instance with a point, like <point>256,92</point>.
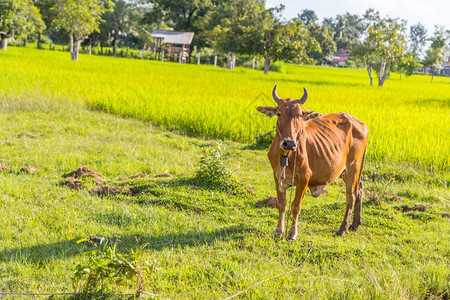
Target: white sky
<point>427,12</point>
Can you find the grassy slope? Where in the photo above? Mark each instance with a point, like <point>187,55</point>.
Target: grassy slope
<point>206,244</point>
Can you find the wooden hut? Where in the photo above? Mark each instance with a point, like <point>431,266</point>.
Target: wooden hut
<point>173,45</point>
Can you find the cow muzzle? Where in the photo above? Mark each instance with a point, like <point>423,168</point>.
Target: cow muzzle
<point>289,145</point>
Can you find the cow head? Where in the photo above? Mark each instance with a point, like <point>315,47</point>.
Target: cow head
<point>291,118</point>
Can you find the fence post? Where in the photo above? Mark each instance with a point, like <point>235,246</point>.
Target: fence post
<point>179,56</point>
<point>253,64</point>
<point>198,59</point>
<point>215,60</point>
<point>162,56</point>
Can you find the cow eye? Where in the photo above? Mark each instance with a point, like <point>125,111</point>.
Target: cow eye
<point>278,114</point>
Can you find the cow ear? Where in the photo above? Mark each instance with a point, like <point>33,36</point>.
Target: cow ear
<point>267,110</point>
<point>309,114</point>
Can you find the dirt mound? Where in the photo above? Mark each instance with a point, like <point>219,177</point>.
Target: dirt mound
<point>5,166</point>
<point>106,190</point>
<point>139,175</point>
<point>271,202</point>
<point>163,175</point>
<point>446,215</point>
<point>29,169</point>
<point>73,184</point>
<point>406,208</point>
<point>84,171</point>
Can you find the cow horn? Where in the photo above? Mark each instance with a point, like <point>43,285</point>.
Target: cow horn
<point>304,97</point>
<point>275,95</point>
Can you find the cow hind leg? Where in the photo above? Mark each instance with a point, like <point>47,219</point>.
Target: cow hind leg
<point>358,206</point>
<point>352,186</point>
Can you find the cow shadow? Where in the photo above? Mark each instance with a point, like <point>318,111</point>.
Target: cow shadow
<point>68,248</point>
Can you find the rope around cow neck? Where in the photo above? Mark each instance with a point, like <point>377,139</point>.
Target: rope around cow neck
<point>290,194</point>
<point>293,171</point>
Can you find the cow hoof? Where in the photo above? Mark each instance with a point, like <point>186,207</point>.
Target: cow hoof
<point>278,234</point>
<point>291,238</point>
<point>353,227</point>
<point>341,232</point>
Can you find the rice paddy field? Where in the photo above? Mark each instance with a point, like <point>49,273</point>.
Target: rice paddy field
<point>121,117</point>
<point>408,118</point>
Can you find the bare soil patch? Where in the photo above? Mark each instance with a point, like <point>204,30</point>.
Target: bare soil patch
<point>84,171</point>
<point>5,166</point>
<point>163,175</point>
<point>139,175</point>
<point>406,208</point>
<point>271,202</point>
<point>29,169</point>
<point>73,184</point>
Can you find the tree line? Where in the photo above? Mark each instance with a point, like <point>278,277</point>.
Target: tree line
<point>229,27</point>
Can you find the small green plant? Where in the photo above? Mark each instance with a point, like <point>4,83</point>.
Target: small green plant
<point>104,268</point>
<point>213,171</point>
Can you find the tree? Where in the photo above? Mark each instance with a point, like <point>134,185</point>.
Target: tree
<point>435,54</point>
<point>18,17</point>
<point>48,15</point>
<point>325,40</point>
<point>383,47</point>
<point>346,30</point>
<point>79,18</point>
<point>117,22</point>
<point>251,29</point>
<point>181,15</point>
<point>418,38</point>
<point>370,17</point>
<point>308,16</point>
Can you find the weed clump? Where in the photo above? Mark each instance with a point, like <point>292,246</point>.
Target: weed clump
<point>213,171</point>
<point>104,268</point>
<point>264,140</point>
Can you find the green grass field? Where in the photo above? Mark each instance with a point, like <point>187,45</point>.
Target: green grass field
<point>210,244</point>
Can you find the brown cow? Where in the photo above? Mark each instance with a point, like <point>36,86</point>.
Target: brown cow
<point>312,151</point>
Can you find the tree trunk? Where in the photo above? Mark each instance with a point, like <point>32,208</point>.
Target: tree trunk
<point>384,73</point>
<point>101,47</point>
<point>266,64</point>
<point>4,42</point>
<point>74,48</point>
<point>38,43</point>
<point>369,70</point>
<point>114,45</point>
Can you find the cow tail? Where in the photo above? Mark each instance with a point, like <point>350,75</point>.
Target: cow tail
<point>359,194</point>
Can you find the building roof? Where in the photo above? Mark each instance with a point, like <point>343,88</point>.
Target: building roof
<point>174,37</point>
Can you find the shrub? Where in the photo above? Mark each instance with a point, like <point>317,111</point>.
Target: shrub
<point>263,140</point>
<point>213,171</point>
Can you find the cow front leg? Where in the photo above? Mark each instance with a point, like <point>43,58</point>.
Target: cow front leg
<point>295,207</point>
<point>281,198</point>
